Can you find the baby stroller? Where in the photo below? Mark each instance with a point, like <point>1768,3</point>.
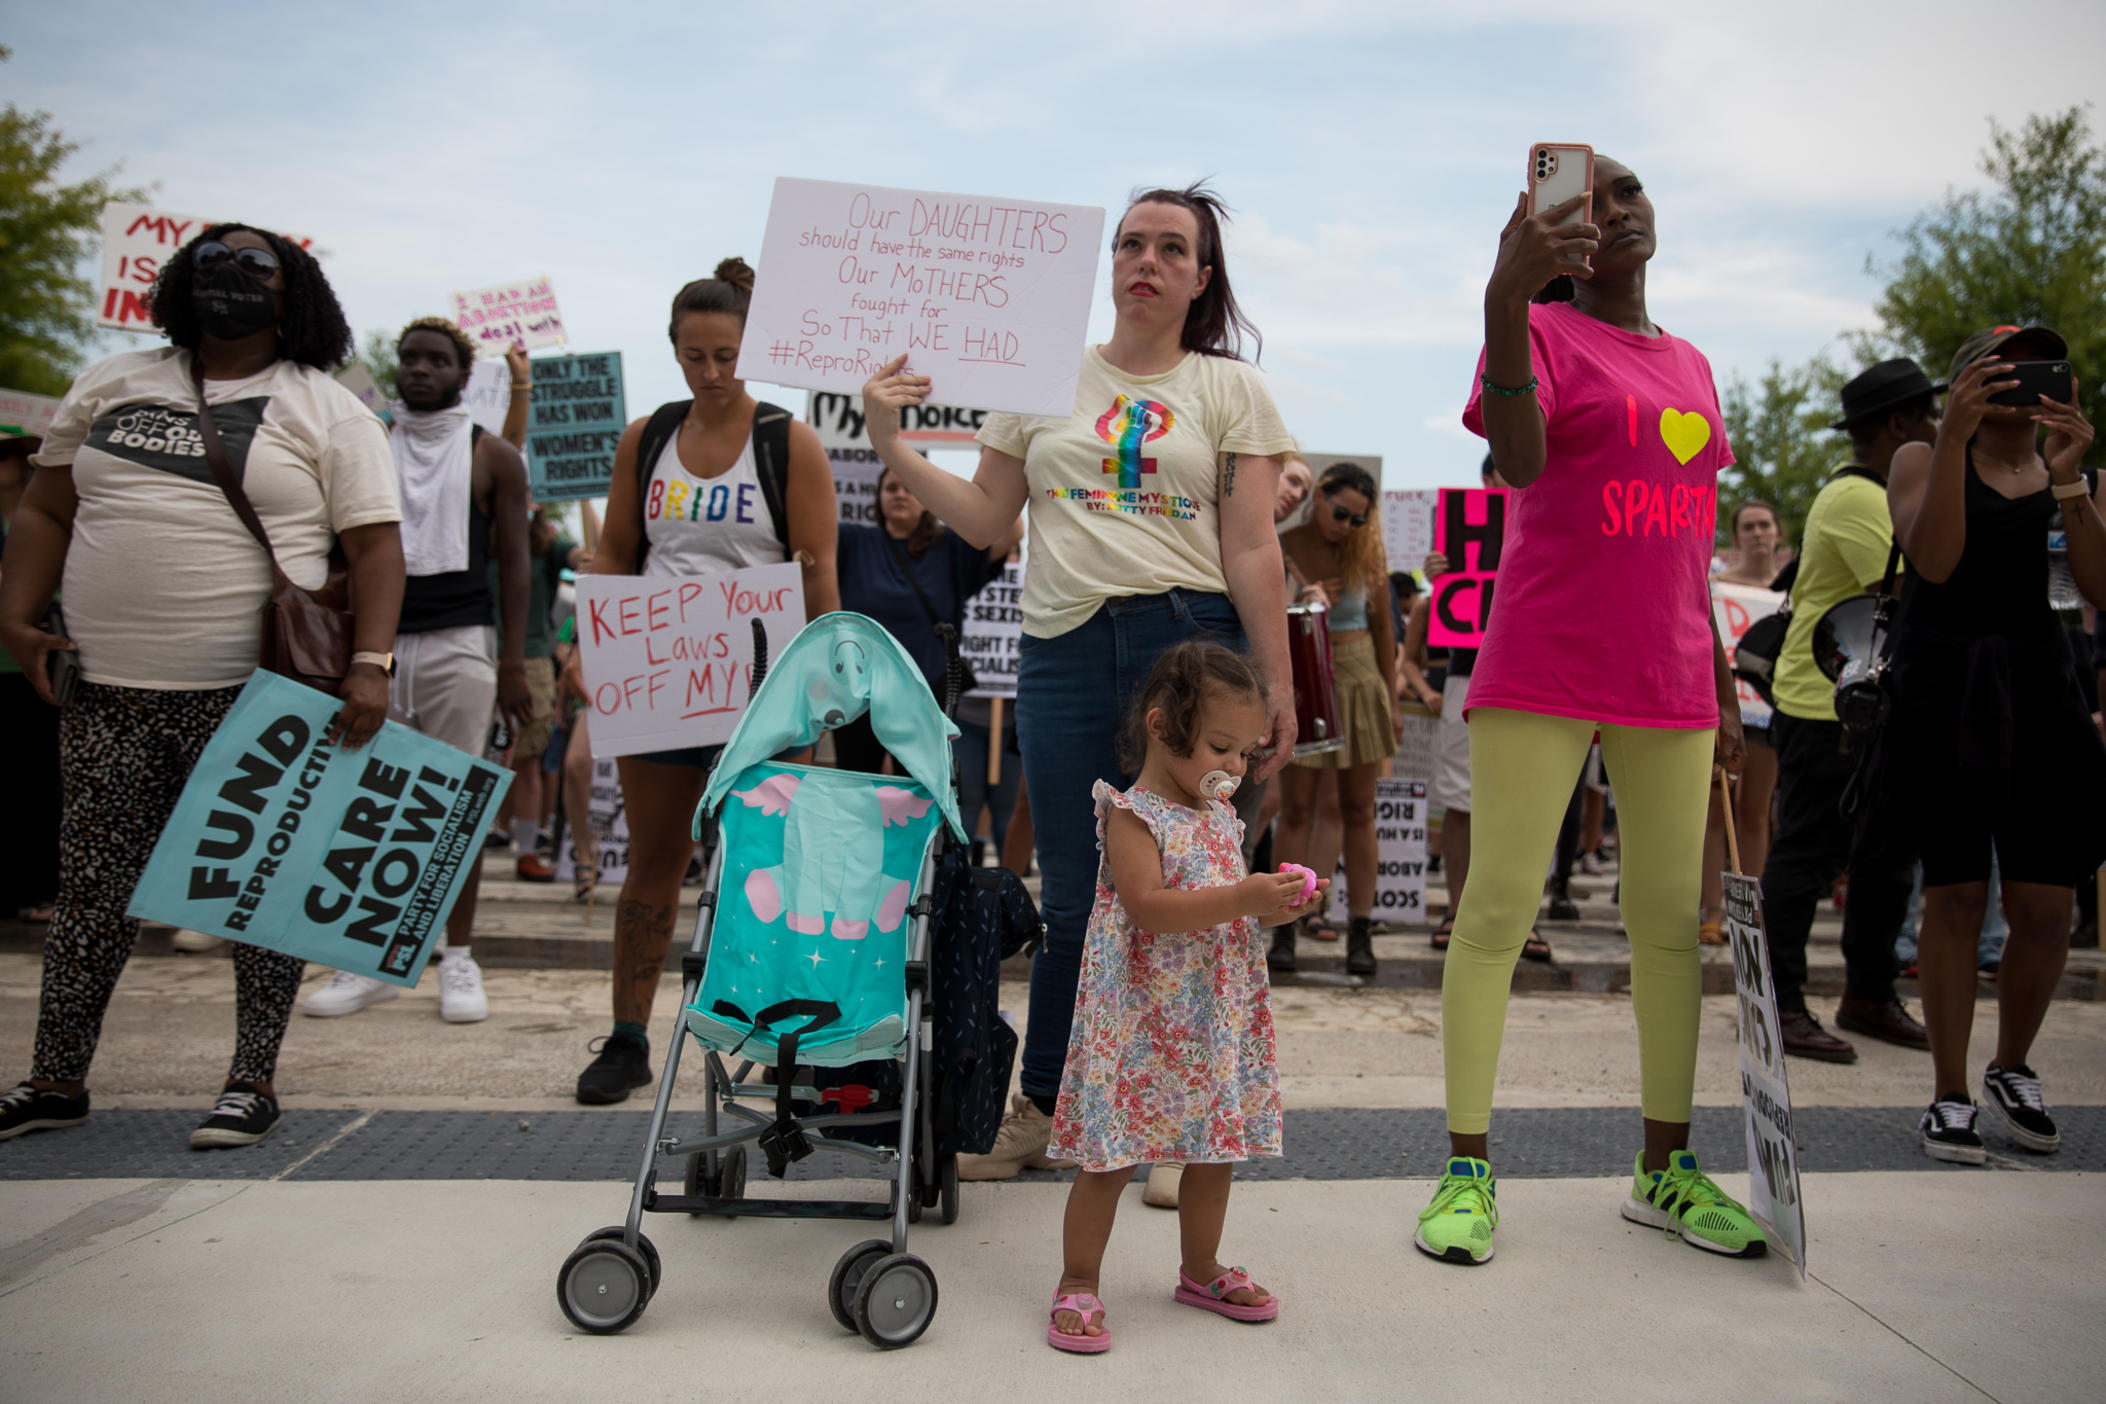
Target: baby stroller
<point>810,954</point>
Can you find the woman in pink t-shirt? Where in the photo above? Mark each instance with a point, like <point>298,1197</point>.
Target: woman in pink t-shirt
<point>1609,431</point>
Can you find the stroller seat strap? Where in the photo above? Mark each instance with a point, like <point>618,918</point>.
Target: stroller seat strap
<point>784,1142</point>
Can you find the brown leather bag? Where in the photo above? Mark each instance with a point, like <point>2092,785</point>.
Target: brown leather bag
<point>306,633</point>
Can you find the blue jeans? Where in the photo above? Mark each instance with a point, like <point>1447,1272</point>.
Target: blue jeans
<point>1073,693</point>
<point>1995,930</point>
<point>969,753</point>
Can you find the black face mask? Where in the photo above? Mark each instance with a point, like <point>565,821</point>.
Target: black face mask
<point>230,303</point>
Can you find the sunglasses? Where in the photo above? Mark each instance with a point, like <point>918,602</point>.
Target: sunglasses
<point>212,253</point>
<point>1346,514</point>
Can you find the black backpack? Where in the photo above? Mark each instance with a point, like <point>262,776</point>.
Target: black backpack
<point>983,916</point>
<point>771,463</point>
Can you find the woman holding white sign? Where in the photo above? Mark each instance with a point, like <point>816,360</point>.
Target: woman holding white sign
<point>1151,518</point>
<point>715,483</point>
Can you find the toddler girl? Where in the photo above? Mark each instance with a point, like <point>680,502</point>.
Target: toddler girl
<point>1171,1057</point>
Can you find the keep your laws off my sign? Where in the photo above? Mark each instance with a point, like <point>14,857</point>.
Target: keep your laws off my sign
<point>669,660</point>
<point>988,297</point>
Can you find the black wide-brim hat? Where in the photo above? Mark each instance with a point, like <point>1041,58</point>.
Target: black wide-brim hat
<point>1885,386</point>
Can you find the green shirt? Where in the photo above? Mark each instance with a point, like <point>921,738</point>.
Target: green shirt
<point>1844,553</point>
<point>544,573</point>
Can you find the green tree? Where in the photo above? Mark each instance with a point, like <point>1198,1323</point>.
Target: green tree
<point>48,230</point>
<point>1779,430</point>
<point>2029,249</point>
<point>378,356</point>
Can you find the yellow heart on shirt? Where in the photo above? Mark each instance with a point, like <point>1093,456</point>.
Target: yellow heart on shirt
<point>1684,434</point>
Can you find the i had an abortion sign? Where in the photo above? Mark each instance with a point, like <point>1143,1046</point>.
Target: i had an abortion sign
<point>988,297</point>
<point>669,661</point>
<point>349,858</point>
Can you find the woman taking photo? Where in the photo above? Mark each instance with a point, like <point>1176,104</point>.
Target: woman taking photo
<point>1756,540</point>
<point>698,501</point>
<point>1112,580</point>
<point>164,593</point>
<point>1339,550</point>
<point>1610,429</point>
<point>1994,712</point>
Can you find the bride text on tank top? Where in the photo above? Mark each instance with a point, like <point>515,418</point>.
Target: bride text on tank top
<point>700,526</point>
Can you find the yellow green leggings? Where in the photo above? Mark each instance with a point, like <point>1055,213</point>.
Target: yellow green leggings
<point>1522,765</point>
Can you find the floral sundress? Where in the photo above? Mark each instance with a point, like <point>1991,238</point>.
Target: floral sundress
<point>1172,1053</point>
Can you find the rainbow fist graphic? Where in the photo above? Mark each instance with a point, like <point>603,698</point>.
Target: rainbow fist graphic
<point>1126,426</point>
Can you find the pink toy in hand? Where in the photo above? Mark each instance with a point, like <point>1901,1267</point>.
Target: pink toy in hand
<point>1308,880</point>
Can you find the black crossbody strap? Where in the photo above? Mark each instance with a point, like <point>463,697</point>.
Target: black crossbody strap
<point>906,568</point>
<point>223,467</point>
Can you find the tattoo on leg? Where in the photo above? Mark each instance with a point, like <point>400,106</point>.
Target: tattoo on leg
<point>1228,475</point>
<point>642,934</point>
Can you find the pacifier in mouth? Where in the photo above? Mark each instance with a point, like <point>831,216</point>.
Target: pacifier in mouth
<point>1219,784</point>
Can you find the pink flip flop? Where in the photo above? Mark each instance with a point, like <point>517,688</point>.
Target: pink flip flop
<point>1213,1296</point>
<point>1082,1304</point>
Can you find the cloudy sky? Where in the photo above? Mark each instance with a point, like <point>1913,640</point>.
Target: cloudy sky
<point>1371,151</point>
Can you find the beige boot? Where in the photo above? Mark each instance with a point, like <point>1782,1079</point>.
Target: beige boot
<point>1163,1179</point>
<point>1021,1144</point>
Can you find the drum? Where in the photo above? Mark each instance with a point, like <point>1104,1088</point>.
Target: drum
<point>1315,698</point>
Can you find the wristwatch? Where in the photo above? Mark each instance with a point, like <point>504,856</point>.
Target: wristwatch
<point>383,661</point>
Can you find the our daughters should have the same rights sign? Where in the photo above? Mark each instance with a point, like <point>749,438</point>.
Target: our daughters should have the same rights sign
<point>349,858</point>
<point>575,424</point>
<point>988,297</point>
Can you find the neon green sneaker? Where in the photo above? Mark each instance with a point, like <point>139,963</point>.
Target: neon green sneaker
<point>1457,1226</point>
<point>1686,1203</point>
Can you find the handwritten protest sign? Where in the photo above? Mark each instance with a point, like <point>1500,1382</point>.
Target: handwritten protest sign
<point>610,825</point>
<point>1407,526</point>
<point>136,240</point>
<point>488,395</point>
<point>575,425</point>
<point>1735,607</point>
<point>838,420</point>
<point>496,317</point>
<point>349,858</point>
<point>1773,1152</point>
<point>989,297</point>
<point>24,413</point>
<point>360,382</point>
<point>1418,744</point>
<point>991,643</point>
<point>1400,856</point>
<point>1469,528</point>
<point>669,662</point>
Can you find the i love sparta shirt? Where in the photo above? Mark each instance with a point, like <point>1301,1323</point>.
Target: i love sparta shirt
<point>1125,491</point>
<point>1603,596</point>
<point>163,584</point>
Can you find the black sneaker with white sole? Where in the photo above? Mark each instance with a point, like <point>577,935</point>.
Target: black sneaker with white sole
<point>2014,1095</point>
<point>25,1107</point>
<point>243,1117</point>
<point>1949,1134</point>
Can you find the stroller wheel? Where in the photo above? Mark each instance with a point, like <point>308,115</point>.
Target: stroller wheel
<point>643,1246</point>
<point>732,1180</point>
<point>895,1301</point>
<point>694,1183</point>
<point>947,1181</point>
<point>848,1276</point>
<point>604,1285</point>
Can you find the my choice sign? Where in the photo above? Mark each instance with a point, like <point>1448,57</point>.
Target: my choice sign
<point>988,297</point>
<point>1774,1194</point>
<point>1469,528</point>
<point>136,239</point>
<point>838,420</point>
<point>496,317</point>
<point>669,661</point>
<point>349,858</point>
<point>1400,855</point>
<point>1736,607</point>
<point>993,638</point>
<point>575,425</point>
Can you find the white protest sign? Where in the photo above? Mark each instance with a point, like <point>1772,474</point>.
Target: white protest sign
<point>1774,1192</point>
<point>488,395</point>
<point>360,382</point>
<point>1400,856</point>
<point>989,297</point>
<point>136,240</point>
<point>838,420</point>
<point>1735,607</point>
<point>32,414</point>
<point>992,640</point>
<point>669,661</point>
<point>1418,744</point>
<point>1407,526</point>
<point>496,317</point>
<point>610,824</point>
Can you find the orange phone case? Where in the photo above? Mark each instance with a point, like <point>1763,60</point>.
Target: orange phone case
<point>1557,171</point>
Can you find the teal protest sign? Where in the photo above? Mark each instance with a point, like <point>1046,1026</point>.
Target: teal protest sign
<point>349,858</point>
<point>575,423</point>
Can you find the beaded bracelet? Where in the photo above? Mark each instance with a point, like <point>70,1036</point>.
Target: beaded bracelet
<point>1487,382</point>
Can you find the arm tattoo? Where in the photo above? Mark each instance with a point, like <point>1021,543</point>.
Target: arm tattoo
<point>1228,475</point>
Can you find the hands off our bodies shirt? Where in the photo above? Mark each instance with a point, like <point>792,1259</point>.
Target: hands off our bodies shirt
<point>1625,513</point>
<point>1125,492</point>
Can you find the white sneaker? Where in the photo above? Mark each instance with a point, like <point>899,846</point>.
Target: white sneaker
<point>347,993</point>
<point>187,940</point>
<point>461,997</point>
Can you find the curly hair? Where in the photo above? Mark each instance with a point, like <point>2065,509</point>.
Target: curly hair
<point>445,328</point>
<point>1182,679</point>
<point>1360,555</point>
<point>312,332</point>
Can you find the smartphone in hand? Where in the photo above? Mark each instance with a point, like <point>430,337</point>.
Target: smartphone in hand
<point>2035,378</point>
<point>61,665</point>
<point>1557,171</point>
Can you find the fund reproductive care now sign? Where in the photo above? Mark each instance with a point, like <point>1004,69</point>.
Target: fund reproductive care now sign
<point>669,660</point>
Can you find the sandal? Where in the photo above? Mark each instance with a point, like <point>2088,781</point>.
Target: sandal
<point>1082,1304</point>
<point>1709,932</point>
<point>1535,948</point>
<point>1442,932</point>
<point>1214,1296</point>
<point>583,880</point>
<point>1318,929</point>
